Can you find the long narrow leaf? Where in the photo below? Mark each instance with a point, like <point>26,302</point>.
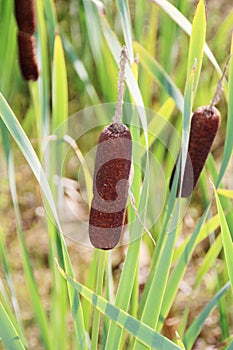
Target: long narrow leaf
<point>160,75</point>
<point>186,26</point>
<point>25,146</point>
<point>196,327</point>
<point>8,334</point>
<point>228,146</point>
<point>33,288</point>
<point>197,41</point>
<point>179,270</point>
<point>226,239</point>
<point>138,329</point>
<point>27,150</point>
<point>126,25</point>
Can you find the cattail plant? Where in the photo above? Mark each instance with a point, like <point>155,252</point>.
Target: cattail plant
<point>204,126</point>
<point>26,21</point>
<point>111,176</point>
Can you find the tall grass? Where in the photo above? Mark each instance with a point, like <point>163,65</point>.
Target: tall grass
<point>43,122</point>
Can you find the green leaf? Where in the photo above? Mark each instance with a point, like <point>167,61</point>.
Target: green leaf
<point>80,70</point>
<point>8,334</point>
<point>160,75</point>
<point>226,239</point>
<point>186,26</point>
<point>230,346</point>
<point>209,260</point>
<point>139,330</point>
<point>179,270</point>
<point>27,150</point>
<point>197,41</point>
<point>225,193</point>
<point>194,330</point>
<point>33,288</point>
<point>126,25</point>
<point>228,146</point>
<point>59,85</point>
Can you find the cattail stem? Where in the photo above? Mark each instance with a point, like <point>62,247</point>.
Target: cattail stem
<point>121,85</point>
<point>216,97</point>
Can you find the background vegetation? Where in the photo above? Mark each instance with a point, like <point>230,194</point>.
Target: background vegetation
<point>175,295</point>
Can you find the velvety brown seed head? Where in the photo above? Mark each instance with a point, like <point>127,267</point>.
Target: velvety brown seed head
<point>110,187</point>
<point>204,126</point>
<point>25,15</point>
<point>27,58</point>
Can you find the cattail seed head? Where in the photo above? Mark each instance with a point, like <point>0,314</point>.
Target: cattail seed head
<point>27,58</point>
<point>110,187</point>
<point>25,15</point>
<point>204,126</point>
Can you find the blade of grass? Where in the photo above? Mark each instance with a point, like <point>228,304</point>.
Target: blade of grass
<point>152,66</point>
<point>51,21</point>
<point>141,331</point>
<point>8,334</point>
<point>33,289</point>
<point>155,127</point>
<point>150,40</point>
<point>8,49</point>
<point>226,239</point>
<point>80,70</point>
<point>95,35</point>
<point>194,330</point>
<point>209,260</point>
<point>5,15</point>
<point>160,243</point>
<point>90,283</point>
<point>186,26</point>
<point>18,325</point>
<point>197,41</point>
<point>126,25</point>
<point>179,270</point>
<point>27,150</point>
<point>59,85</point>
<point>25,146</point>
<point>230,347</point>
<point>228,146</point>
<point>209,226</point>
<point>159,280</point>
<point>99,288</point>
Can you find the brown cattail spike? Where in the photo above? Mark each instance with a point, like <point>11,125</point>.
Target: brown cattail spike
<point>25,15</point>
<point>111,184</point>
<point>111,176</point>
<point>26,20</point>
<point>204,126</point>
<point>27,60</point>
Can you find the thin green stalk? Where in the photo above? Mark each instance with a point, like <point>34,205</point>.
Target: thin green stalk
<point>99,288</point>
